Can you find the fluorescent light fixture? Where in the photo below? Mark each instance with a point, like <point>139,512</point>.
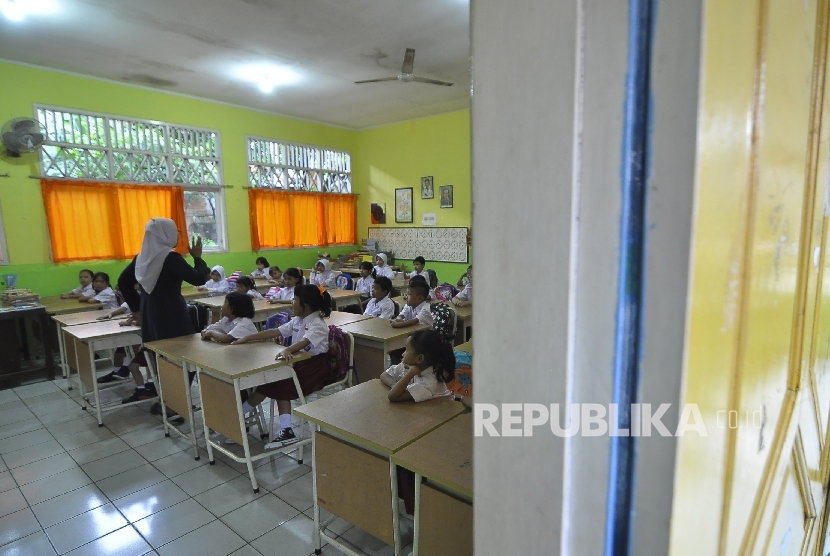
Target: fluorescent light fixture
<point>267,76</point>
<point>17,10</point>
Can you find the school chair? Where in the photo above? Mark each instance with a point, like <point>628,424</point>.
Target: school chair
<point>397,309</point>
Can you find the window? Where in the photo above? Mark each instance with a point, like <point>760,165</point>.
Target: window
<point>4,253</point>
<point>295,167</point>
<point>82,145</point>
<point>300,195</point>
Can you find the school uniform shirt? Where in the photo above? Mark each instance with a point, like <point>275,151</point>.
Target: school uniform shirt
<point>364,286</point>
<point>260,273</point>
<point>312,327</point>
<point>415,273</point>
<point>126,308</point>
<point>384,309</point>
<point>423,386</point>
<point>85,291</point>
<point>285,294</point>
<point>107,298</point>
<point>238,327</point>
<point>466,294</point>
<point>255,294</point>
<point>219,288</point>
<point>325,279</point>
<point>421,312</point>
<point>387,271</point>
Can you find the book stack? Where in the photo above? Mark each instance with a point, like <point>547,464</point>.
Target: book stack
<point>19,297</point>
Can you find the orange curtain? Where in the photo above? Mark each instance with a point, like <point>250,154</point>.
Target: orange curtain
<point>301,219</point>
<point>89,220</point>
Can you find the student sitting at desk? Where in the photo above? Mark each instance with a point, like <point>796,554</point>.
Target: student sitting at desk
<point>321,274</point>
<point>275,276</point>
<point>261,268</point>
<point>381,305</point>
<point>309,333</point>
<point>364,283</point>
<point>102,292</point>
<point>462,282</point>
<point>246,285</point>
<point>237,312</point>
<point>292,277</point>
<point>119,359</point>
<point>428,364</point>
<point>418,264</point>
<point>217,285</point>
<point>383,269</point>
<point>84,289</point>
<point>416,310</point>
<point>465,296</point>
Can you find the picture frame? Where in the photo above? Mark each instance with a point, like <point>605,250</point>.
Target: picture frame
<point>427,190</point>
<point>446,196</point>
<point>403,205</point>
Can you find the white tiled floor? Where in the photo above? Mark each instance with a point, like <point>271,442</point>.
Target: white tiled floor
<point>70,487</point>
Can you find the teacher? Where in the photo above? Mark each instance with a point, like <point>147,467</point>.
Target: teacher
<point>160,271</point>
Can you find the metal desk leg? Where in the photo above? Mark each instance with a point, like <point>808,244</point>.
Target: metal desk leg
<point>418,480</point>
<point>318,545</point>
<point>91,346</point>
<point>396,517</point>
<point>208,447</point>
<point>244,435</point>
<point>186,380</point>
<point>160,390</point>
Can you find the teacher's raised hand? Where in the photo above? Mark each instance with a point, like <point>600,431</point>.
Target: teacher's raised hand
<point>195,248</point>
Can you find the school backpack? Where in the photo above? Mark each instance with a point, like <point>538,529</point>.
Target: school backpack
<point>275,321</point>
<point>445,292</point>
<point>199,316</point>
<point>338,353</point>
<point>443,320</point>
<point>344,281</point>
<point>119,298</point>
<point>433,278</point>
<point>462,383</point>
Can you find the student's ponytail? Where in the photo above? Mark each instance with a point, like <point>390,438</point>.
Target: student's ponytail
<point>437,352</point>
<point>314,297</point>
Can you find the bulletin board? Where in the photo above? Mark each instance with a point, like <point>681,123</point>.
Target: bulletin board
<point>448,245</point>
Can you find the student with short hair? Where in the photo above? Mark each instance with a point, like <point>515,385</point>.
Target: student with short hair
<point>101,292</point>
<point>416,310</point>
<point>85,278</point>
<point>418,264</point>
<point>380,304</point>
<point>245,284</point>
<point>261,268</point>
<point>293,278</point>
<point>237,312</point>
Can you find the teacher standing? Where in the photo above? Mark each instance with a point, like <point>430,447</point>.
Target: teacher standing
<point>160,271</point>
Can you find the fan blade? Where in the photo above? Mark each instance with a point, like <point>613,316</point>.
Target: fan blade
<point>432,81</point>
<point>408,61</point>
<point>378,80</point>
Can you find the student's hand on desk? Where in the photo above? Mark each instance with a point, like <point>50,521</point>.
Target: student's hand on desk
<point>104,317</point>
<point>284,356</point>
<point>240,341</point>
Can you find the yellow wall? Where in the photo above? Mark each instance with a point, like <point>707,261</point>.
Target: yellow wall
<point>382,158</point>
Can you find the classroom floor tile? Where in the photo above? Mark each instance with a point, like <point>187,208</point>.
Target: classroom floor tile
<point>173,522</point>
<point>66,506</point>
<point>123,542</point>
<point>256,518</point>
<point>213,538</point>
<point>37,543</point>
<point>292,538</point>
<point>153,499</point>
<point>43,468</point>
<point>81,529</point>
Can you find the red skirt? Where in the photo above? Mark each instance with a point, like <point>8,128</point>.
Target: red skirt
<point>313,374</point>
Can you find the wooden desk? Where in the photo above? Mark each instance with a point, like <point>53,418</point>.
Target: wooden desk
<point>191,292</point>
<point>58,306</point>
<point>262,285</point>
<point>344,298</point>
<point>443,506</point>
<point>373,340</point>
<point>11,367</point>
<point>83,340</point>
<point>224,370</point>
<point>464,319</point>
<point>262,309</point>
<point>466,346</point>
<point>72,319</point>
<point>360,430</point>
<point>341,319</point>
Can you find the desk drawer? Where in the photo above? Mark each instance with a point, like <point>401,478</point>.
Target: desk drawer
<point>446,524</point>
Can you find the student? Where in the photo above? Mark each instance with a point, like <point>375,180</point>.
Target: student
<point>428,364</point>
<point>102,292</point>
<point>275,276</point>
<point>383,269</point>
<point>462,282</point>
<point>124,367</point>
<point>418,269</point>
<point>416,310</point>
<point>217,285</point>
<point>246,285</point>
<point>465,296</point>
<point>261,268</point>
<point>321,274</point>
<point>237,312</point>
<point>293,278</point>
<point>381,305</point>
<point>84,289</point>
<point>309,333</point>
<point>364,283</point>
<point>423,279</point>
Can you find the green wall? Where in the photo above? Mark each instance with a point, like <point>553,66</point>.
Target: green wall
<point>383,158</point>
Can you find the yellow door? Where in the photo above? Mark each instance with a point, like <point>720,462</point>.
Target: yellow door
<point>758,339</point>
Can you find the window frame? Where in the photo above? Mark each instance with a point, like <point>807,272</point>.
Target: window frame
<point>168,154</point>
<point>249,163</point>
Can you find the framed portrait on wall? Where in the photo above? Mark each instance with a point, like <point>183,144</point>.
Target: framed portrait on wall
<point>403,205</point>
<point>427,192</point>
<point>446,196</point>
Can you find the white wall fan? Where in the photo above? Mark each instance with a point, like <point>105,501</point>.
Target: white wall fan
<point>21,135</point>
<point>406,73</point>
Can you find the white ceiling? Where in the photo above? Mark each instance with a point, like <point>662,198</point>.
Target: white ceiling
<point>194,47</point>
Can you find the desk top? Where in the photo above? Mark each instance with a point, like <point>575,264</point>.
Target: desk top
<point>102,329</point>
<point>58,306</point>
<point>222,360</point>
<point>364,415</point>
<point>380,329</point>
<point>461,312</point>
<point>342,294</point>
<point>466,346</point>
<point>87,317</point>
<point>190,292</point>
<point>444,456</point>
<point>214,302</point>
<point>341,318</point>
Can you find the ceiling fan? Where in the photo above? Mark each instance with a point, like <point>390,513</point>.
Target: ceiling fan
<point>406,73</point>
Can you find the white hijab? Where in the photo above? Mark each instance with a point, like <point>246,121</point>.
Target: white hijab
<point>160,237</point>
<point>383,257</point>
<point>221,270</point>
<point>326,266</point>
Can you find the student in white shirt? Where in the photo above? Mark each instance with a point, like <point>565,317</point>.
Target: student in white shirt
<point>125,366</point>
<point>465,296</point>
<point>416,310</point>
<point>261,268</point>
<point>364,283</point>
<point>275,276</point>
<point>380,305</point>
<point>383,269</point>
<point>246,285</point>
<point>237,312</point>
<point>285,296</point>
<point>217,285</point>
<point>322,275</point>
<point>102,292</point>
<point>418,269</point>
<point>428,364</point>
<point>309,333</point>
<point>85,278</point>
